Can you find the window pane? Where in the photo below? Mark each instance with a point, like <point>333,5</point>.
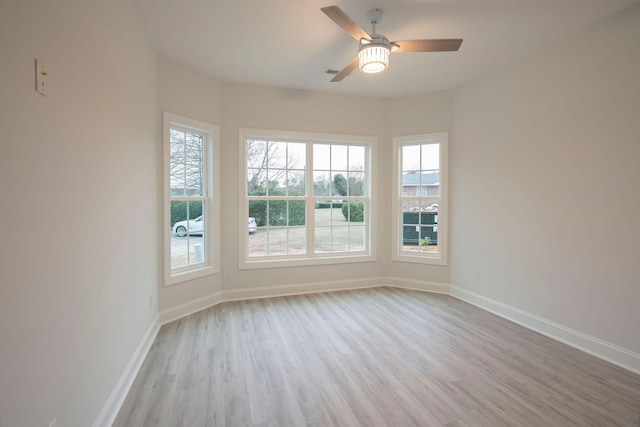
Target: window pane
<point>256,154</point>
<point>410,158</point>
<point>255,182</point>
<point>429,184</point>
<point>295,183</point>
<point>411,183</point>
<point>258,242</point>
<point>321,184</point>
<point>278,169</point>
<point>410,209</point>
<point>193,164</point>
<point>321,157</point>
<point>277,241</point>
<point>339,184</point>
<point>429,239</point>
<point>176,162</point>
<point>297,240</point>
<point>322,239</point>
<point>355,211</point>
<point>356,158</point>
<point>340,239</point>
<point>186,163</point>
<point>297,156</point>
<point>410,237</point>
<point>430,156</point>
<point>338,157</point>
<point>356,238</point>
<point>193,180</point>
<point>188,235</point>
<point>297,212</point>
<point>356,184</point>
<point>258,210</point>
<point>277,155</point>
<point>276,182</point>
<point>277,212</point>
<point>280,227</point>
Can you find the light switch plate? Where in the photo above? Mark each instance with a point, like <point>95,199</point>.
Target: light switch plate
<point>41,78</point>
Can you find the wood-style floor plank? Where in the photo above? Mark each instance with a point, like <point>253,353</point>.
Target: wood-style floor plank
<point>374,357</point>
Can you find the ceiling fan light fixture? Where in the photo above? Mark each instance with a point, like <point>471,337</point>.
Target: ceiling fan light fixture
<point>373,57</point>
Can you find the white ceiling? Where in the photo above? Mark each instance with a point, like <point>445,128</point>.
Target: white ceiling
<point>291,43</point>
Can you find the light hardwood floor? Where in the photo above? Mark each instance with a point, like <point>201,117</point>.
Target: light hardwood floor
<point>374,357</point>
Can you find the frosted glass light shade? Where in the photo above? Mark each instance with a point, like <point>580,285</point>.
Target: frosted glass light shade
<point>373,58</point>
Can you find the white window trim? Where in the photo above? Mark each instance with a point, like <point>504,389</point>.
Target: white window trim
<point>212,207</point>
<point>443,205</point>
<point>246,263</point>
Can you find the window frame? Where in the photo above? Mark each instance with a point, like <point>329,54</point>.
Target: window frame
<point>210,197</point>
<point>309,258</point>
<point>443,205</point>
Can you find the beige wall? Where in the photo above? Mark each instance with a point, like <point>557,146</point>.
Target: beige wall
<point>189,93</point>
<point>412,115</point>
<point>248,106</point>
<point>78,256</point>
<point>80,176</point>
<point>553,141</point>
<point>544,140</point>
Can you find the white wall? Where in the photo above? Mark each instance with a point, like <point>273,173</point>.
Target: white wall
<point>546,182</point>
<point>249,106</point>
<point>189,93</point>
<point>544,190</point>
<point>78,206</point>
<point>233,106</point>
<point>412,115</point>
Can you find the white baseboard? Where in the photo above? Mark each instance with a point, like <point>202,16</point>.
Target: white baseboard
<point>418,285</point>
<point>181,310</point>
<point>592,345</point>
<point>176,312</point>
<point>299,289</point>
<point>111,408</point>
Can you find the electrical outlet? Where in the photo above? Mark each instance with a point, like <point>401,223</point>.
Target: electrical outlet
<point>476,275</point>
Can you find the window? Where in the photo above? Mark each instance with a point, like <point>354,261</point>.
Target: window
<point>420,191</point>
<point>191,210</point>
<point>310,198</point>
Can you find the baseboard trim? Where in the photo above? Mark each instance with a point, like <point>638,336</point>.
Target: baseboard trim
<point>300,289</point>
<point>418,285</point>
<point>182,310</point>
<point>112,407</point>
<point>589,344</point>
<point>176,312</point>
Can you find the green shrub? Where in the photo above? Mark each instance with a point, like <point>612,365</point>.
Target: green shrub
<point>277,210</point>
<point>179,210</point>
<point>353,211</point>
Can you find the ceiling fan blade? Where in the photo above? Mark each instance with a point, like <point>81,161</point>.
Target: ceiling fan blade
<point>437,45</point>
<point>339,17</point>
<point>346,70</point>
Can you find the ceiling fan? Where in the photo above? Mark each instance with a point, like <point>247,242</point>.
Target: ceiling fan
<point>374,48</point>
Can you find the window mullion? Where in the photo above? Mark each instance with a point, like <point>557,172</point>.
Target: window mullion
<point>310,211</point>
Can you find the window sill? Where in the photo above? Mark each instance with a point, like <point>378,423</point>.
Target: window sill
<point>185,276</point>
<point>304,262</point>
<point>420,259</point>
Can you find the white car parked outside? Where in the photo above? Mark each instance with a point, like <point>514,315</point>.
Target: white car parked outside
<point>195,226</point>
